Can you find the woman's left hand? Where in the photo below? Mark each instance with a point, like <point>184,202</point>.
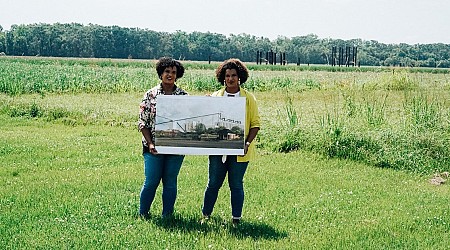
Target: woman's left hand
<point>246,148</point>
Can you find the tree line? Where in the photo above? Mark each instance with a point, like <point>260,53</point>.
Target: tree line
<point>96,41</point>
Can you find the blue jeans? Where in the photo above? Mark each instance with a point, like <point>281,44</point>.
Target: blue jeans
<point>156,168</point>
<point>217,172</point>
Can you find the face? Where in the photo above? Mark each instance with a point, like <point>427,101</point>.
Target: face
<point>231,80</point>
<point>169,75</point>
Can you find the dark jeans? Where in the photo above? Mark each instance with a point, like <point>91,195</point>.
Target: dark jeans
<point>217,172</point>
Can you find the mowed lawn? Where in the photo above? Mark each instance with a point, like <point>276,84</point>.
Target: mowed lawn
<point>77,187</point>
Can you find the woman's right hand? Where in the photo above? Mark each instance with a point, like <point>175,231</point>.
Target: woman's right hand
<point>152,149</point>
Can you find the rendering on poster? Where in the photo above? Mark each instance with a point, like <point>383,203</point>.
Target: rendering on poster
<point>200,125</point>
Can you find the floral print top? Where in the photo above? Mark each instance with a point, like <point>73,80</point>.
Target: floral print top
<point>147,113</point>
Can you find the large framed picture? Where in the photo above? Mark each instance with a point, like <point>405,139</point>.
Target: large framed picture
<point>200,125</point>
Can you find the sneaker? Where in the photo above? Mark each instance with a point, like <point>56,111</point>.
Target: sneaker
<point>236,222</point>
<point>168,216</point>
<point>144,216</point>
<point>204,219</point>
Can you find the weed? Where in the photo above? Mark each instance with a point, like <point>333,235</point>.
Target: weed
<point>424,113</point>
<point>375,110</point>
<point>401,81</point>
<point>350,106</point>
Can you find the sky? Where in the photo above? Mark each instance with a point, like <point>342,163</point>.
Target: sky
<point>386,21</point>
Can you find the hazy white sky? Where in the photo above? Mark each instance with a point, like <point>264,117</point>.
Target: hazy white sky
<point>387,21</point>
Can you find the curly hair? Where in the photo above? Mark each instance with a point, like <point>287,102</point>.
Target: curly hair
<point>165,62</point>
<point>232,63</point>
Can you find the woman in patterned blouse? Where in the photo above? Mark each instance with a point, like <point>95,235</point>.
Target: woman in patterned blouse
<point>159,167</point>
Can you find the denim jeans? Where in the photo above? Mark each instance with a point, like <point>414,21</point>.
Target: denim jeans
<point>217,172</point>
<point>156,168</point>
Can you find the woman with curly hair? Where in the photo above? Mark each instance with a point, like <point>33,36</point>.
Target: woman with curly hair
<point>159,167</point>
<point>232,73</point>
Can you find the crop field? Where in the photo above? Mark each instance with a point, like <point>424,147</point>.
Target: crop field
<point>345,159</point>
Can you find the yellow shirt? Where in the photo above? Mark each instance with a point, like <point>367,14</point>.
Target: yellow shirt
<point>251,120</point>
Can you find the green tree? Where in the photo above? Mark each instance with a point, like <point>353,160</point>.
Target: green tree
<point>17,40</point>
<point>166,44</point>
<point>77,40</point>
<point>237,130</point>
<point>102,41</point>
<point>181,45</point>
<point>120,42</point>
<point>206,45</point>
<point>200,128</point>
<point>2,40</point>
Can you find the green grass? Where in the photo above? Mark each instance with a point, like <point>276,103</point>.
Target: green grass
<point>28,75</point>
<point>78,187</point>
<point>344,160</point>
<point>391,129</point>
<point>383,118</point>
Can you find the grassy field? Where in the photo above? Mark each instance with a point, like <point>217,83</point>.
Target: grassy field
<point>345,160</point>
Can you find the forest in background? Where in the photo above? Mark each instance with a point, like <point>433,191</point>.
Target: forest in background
<point>96,41</point>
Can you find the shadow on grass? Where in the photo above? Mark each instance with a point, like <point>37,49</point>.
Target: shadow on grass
<point>246,229</point>
<point>256,231</point>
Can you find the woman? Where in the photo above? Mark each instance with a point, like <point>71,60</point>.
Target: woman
<point>159,167</point>
<point>232,73</point>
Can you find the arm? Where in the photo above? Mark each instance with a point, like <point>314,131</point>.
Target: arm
<point>148,137</point>
<point>251,135</point>
<point>253,118</point>
<point>146,121</point>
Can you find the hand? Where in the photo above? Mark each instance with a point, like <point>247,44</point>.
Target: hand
<point>246,148</point>
<point>152,149</point>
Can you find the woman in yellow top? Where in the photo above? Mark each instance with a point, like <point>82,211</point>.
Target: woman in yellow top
<point>232,73</point>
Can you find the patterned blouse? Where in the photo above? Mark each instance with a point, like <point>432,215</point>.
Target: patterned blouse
<point>147,111</point>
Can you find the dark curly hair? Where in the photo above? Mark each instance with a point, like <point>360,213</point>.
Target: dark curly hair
<point>165,62</point>
<point>232,63</point>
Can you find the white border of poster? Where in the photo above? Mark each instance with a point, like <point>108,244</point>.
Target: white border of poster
<point>200,125</point>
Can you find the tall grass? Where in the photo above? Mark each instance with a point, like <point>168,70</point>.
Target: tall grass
<point>380,117</point>
<point>399,131</point>
<point>59,75</point>
<point>424,112</point>
<point>374,109</point>
<point>18,78</point>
